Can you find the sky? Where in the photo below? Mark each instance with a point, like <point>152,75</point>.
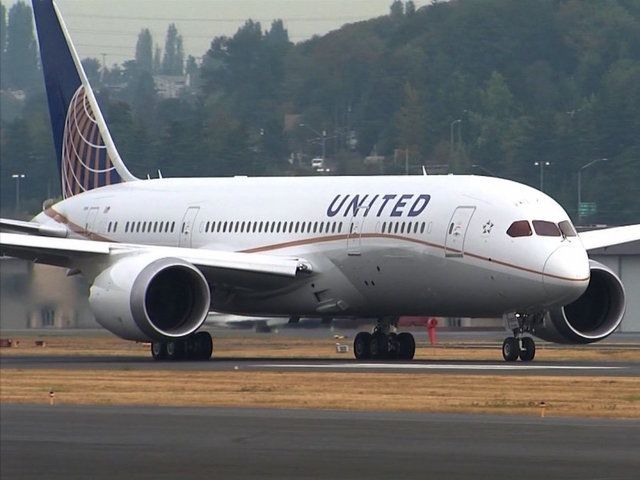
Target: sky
<point>112,26</point>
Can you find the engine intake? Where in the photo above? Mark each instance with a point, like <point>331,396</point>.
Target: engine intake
<point>593,316</point>
<point>148,298</point>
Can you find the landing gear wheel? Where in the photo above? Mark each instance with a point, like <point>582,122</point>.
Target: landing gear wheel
<point>361,346</point>
<point>176,350</point>
<point>406,346</point>
<point>203,346</point>
<point>379,346</point>
<point>510,349</point>
<point>159,350</point>
<point>528,349</point>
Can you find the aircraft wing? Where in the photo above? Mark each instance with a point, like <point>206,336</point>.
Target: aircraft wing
<point>66,252</point>
<point>32,228</point>
<point>610,236</point>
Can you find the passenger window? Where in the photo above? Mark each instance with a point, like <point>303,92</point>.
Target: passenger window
<point>173,226</point>
<point>565,227</point>
<point>520,228</point>
<point>115,227</point>
<point>340,227</point>
<point>155,227</point>
<point>422,228</point>
<point>546,229</point>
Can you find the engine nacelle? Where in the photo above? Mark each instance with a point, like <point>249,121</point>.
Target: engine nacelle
<point>593,316</point>
<point>146,298</point>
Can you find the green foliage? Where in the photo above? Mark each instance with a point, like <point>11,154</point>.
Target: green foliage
<point>173,59</point>
<point>496,83</point>
<point>20,65</point>
<point>144,51</point>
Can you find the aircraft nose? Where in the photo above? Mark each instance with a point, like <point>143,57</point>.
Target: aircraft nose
<point>566,273</point>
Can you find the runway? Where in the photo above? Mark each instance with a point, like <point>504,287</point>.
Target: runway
<point>572,368</point>
<point>66,442</point>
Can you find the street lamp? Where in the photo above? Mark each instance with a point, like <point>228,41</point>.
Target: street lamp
<point>322,136</point>
<point>17,177</point>
<point>542,165</point>
<point>453,124</point>
<point>586,165</point>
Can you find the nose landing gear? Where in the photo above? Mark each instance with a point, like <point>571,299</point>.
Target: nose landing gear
<point>520,346</point>
<point>514,347</point>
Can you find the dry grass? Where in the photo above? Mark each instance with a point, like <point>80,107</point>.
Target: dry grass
<point>423,392</point>
<point>270,346</point>
<point>572,396</point>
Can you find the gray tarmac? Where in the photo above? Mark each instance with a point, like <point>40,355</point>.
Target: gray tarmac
<point>535,368</point>
<point>78,442</point>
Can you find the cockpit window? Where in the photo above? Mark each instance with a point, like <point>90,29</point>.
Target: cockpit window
<point>546,229</point>
<point>567,229</point>
<point>520,228</point>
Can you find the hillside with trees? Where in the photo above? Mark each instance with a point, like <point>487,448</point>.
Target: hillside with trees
<point>463,86</point>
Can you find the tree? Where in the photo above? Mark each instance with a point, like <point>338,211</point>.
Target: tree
<point>173,60</point>
<point>21,62</point>
<point>3,41</point>
<point>157,59</point>
<point>396,10</point>
<point>410,8</point>
<point>144,51</point>
<point>3,28</point>
<point>92,68</point>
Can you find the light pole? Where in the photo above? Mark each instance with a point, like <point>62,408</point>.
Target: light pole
<point>17,177</point>
<point>542,165</point>
<point>586,165</point>
<point>452,126</point>
<point>322,136</point>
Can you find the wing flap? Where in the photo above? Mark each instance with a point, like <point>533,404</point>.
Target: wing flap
<point>610,236</point>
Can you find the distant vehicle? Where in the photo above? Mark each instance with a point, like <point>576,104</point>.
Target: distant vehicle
<point>317,163</point>
<point>159,254</point>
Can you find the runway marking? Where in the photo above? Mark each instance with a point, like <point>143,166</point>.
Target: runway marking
<point>418,366</point>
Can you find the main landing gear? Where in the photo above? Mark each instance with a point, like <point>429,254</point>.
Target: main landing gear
<point>384,344</point>
<point>195,347</point>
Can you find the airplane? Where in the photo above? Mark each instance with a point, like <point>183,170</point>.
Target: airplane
<point>160,254</point>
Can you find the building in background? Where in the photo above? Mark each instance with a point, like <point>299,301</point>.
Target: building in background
<point>41,296</point>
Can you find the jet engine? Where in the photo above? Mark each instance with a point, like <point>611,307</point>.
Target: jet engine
<point>150,298</point>
<point>593,316</point>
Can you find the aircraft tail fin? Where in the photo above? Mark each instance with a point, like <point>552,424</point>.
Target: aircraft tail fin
<point>87,156</point>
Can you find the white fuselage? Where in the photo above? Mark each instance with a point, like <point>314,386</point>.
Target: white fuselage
<point>379,246</point>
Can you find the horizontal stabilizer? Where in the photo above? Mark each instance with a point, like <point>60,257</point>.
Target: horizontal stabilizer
<point>610,236</point>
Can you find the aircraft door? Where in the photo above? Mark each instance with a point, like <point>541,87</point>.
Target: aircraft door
<point>355,232</point>
<point>187,226</point>
<point>90,221</point>
<point>457,231</point>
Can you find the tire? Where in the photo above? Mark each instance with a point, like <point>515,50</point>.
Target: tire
<point>203,346</point>
<point>361,346</point>
<point>528,350</point>
<point>379,346</point>
<point>406,346</point>
<point>159,350</point>
<point>510,349</point>
<point>176,349</point>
